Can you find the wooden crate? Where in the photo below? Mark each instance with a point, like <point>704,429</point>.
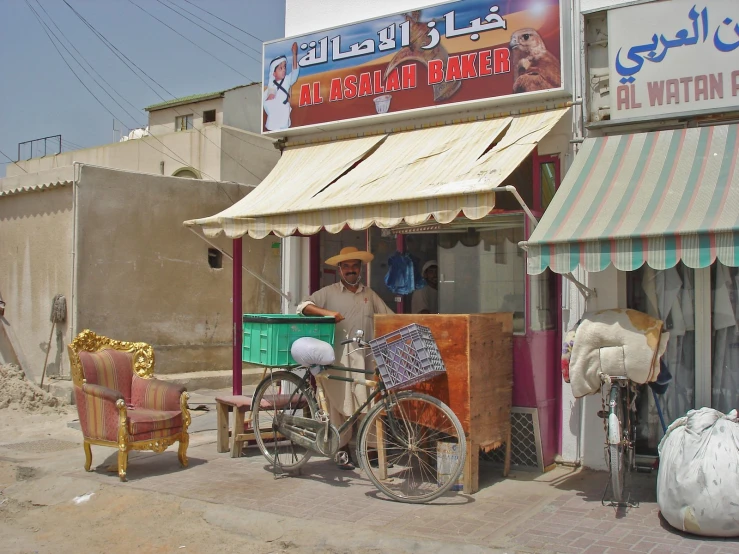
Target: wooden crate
<point>477,350</point>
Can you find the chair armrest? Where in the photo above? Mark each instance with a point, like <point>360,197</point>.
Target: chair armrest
<point>104,393</point>
<point>100,410</point>
<point>154,394</point>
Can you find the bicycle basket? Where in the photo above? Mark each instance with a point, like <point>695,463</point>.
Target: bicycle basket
<point>407,356</point>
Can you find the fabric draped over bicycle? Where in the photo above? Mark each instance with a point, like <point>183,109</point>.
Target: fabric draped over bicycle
<point>616,342</point>
<point>311,352</point>
<point>698,479</point>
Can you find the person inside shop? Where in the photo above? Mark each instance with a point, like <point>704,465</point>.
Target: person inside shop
<point>353,305</point>
<point>426,299</point>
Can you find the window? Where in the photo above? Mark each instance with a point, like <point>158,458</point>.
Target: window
<point>215,258</point>
<point>183,122</point>
<point>482,269</point>
<point>209,116</point>
<point>548,183</point>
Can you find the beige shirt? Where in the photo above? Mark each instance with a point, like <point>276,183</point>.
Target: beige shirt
<point>358,309</point>
<point>426,298</point>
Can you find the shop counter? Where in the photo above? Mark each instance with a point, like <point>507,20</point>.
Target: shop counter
<point>477,350</point>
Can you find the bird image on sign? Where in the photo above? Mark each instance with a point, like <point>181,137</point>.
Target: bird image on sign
<point>535,68</point>
<point>419,32</point>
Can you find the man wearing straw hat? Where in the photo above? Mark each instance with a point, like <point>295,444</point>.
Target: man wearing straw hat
<point>353,306</point>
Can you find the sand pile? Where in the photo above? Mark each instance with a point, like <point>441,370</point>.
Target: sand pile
<point>18,392</point>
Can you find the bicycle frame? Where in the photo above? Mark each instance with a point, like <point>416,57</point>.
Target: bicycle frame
<point>620,435</point>
<point>378,390</point>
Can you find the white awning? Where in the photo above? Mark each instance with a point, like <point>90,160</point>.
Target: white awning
<point>412,176</point>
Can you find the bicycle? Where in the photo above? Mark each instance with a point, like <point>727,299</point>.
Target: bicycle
<point>620,427</point>
<point>411,445</point>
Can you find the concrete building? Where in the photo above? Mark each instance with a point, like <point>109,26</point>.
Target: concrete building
<point>392,154</point>
<point>112,242</point>
<point>673,251</point>
<point>103,227</point>
<point>205,136</point>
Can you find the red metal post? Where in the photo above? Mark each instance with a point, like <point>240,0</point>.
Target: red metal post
<point>237,331</point>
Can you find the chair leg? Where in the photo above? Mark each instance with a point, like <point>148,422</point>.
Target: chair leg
<point>182,451</point>
<point>122,464</point>
<point>88,455</point>
<point>222,424</point>
<point>237,429</point>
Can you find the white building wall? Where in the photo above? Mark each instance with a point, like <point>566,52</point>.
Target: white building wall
<point>595,5</point>
<point>304,17</point>
<point>242,108</point>
<point>162,121</point>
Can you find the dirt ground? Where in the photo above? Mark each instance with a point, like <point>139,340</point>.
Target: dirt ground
<point>47,505</point>
<point>44,510</point>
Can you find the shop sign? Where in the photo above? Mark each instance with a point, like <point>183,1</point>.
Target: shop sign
<point>667,58</point>
<point>456,52</point>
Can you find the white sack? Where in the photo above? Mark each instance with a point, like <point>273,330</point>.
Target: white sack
<point>698,480</point>
<point>309,351</point>
<point>615,342</point>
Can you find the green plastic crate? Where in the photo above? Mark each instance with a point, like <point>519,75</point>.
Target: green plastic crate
<point>268,337</point>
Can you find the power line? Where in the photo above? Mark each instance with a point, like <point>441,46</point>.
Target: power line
<point>125,60</point>
<point>259,52</point>
<point>209,31</point>
<point>226,22</point>
<point>118,53</point>
<point>11,161</point>
<point>45,27</point>
<point>85,60</point>
<point>188,40</point>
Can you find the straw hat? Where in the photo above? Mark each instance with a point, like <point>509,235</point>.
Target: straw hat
<point>350,253</point>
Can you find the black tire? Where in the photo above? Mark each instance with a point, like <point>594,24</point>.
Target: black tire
<point>285,392</point>
<point>616,452</point>
<point>411,449</point>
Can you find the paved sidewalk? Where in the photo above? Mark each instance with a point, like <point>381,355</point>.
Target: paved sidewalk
<point>559,511</point>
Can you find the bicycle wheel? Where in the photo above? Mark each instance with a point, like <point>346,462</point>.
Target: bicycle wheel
<point>423,444</point>
<point>281,392</point>
<point>616,454</point>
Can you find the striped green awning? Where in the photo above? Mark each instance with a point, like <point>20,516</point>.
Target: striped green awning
<point>655,198</point>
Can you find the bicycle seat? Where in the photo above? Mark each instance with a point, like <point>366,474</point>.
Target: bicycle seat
<point>308,351</point>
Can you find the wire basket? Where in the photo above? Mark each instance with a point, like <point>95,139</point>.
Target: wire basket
<point>407,356</point>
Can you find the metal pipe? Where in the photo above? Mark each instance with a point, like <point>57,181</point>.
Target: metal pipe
<point>249,271</point>
<point>237,297</point>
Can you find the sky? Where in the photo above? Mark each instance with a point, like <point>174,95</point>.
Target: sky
<point>40,96</point>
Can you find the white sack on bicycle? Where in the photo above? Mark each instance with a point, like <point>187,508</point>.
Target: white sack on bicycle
<point>698,481</point>
<point>615,342</point>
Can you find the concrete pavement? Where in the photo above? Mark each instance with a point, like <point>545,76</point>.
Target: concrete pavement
<point>556,512</point>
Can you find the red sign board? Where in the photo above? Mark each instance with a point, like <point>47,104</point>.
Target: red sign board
<point>464,51</point>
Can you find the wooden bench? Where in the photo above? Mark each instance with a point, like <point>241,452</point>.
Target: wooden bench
<point>240,430</point>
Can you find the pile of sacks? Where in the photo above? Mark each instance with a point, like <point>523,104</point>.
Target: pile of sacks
<point>698,481</point>
<point>618,342</point>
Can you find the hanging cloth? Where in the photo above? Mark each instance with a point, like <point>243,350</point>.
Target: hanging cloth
<point>401,274</point>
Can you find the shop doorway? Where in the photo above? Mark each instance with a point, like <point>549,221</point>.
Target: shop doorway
<point>670,296</point>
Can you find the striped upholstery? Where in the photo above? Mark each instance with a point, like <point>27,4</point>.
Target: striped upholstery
<point>141,421</point>
<point>155,395</point>
<point>109,368</point>
<point>154,435</point>
<point>97,412</point>
<point>656,198</point>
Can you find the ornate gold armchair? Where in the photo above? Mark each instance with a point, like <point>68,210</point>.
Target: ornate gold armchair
<point>120,404</point>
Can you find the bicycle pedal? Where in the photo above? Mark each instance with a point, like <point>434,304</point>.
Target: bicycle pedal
<point>602,414</point>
